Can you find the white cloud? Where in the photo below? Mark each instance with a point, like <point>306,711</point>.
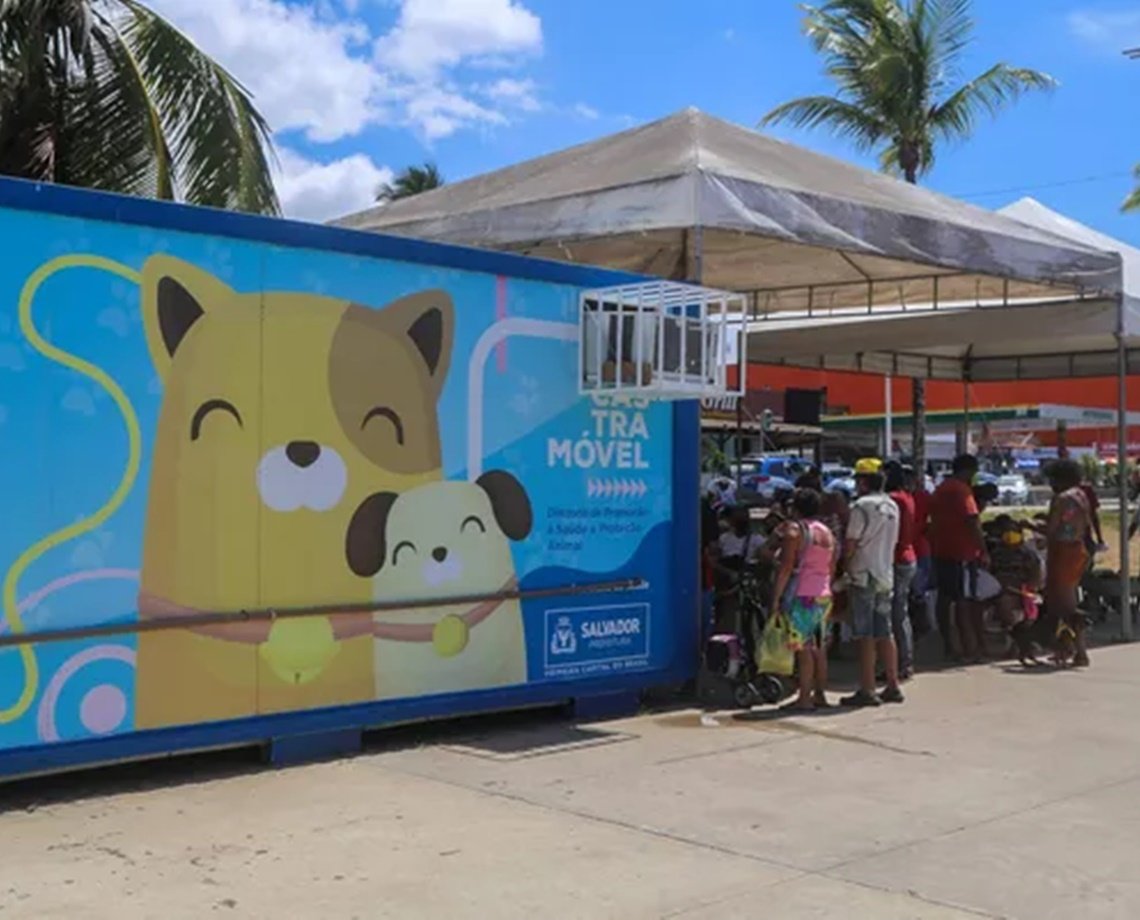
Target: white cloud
<point>587,112</point>
<point>1112,30</point>
<point>318,69</point>
<point>437,111</point>
<point>432,36</point>
<point>519,94</point>
<point>320,191</point>
<point>307,72</point>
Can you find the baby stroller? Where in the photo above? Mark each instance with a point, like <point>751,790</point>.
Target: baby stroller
<point>729,675</point>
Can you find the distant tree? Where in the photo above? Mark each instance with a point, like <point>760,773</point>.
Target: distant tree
<point>412,181</point>
<point>109,95</point>
<point>896,64</point>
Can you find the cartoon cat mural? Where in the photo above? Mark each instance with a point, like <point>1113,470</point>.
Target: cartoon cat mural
<point>281,413</point>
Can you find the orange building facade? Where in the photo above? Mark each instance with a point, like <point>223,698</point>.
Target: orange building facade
<point>865,394</point>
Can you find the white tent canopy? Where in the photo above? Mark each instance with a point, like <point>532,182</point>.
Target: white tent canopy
<point>1069,337</point>
<point>693,197</point>
<point>1033,213</point>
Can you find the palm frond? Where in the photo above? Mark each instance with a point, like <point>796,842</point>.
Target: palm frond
<point>990,93</point>
<point>135,157</point>
<point>110,135</point>
<point>950,28</point>
<point>1132,202</point>
<point>219,145</point>
<point>29,95</point>
<point>844,118</point>
<point>414,180</point>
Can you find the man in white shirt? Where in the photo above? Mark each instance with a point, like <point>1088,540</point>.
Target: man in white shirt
<point>872,532</point>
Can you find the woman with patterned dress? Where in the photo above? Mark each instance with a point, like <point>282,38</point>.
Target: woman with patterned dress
<point>803,592</point>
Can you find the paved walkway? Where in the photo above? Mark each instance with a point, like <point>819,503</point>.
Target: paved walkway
<point>990,794</point>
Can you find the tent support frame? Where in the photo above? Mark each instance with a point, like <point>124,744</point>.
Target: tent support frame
<point>1122,478</point>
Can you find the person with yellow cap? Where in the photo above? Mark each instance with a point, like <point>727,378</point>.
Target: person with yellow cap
<point>872,533</point>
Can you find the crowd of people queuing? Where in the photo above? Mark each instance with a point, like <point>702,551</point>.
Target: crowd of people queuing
<point>872,570</point>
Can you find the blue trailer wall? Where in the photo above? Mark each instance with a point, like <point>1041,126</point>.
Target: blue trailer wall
<point>207,413</point>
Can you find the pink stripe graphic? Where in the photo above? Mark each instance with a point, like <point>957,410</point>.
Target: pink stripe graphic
<point>500,315</point>
<point>36,598</point>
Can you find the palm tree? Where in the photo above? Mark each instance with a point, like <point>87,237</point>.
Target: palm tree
<point>412,181</point>
<point>109,95</point>
<point>1132,202</point>
<point>895,64</point>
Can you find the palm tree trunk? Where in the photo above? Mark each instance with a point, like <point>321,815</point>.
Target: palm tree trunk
<point>918,431</point>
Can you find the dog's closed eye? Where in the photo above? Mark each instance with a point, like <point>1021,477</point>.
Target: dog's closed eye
<point>472,521</point>
<point>399,547</point>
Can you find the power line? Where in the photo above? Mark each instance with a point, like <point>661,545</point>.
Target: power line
<point>1104,177</point>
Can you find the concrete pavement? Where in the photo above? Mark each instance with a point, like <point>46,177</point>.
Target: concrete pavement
<point>991,793</point>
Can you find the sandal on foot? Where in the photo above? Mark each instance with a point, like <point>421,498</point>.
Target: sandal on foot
<point>860,699</point>
<point>892,695</point>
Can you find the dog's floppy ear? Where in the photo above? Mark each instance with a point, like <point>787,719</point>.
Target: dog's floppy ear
<point>175,295</point>
<point>365,547</point>
<point>427,320</point>
<point>509,501</point>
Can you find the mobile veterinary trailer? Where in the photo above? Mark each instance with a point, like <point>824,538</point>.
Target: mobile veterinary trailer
<point>272,482</point>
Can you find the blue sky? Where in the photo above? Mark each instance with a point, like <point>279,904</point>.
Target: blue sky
<point>357,88</point>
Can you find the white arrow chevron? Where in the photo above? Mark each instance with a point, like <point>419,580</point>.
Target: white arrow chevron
<point>616,488</point>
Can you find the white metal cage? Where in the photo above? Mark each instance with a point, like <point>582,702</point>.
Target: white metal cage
<point>661,340</point>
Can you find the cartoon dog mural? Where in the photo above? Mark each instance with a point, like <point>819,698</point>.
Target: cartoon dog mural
<point>281,413</point>
<point>446,539</point>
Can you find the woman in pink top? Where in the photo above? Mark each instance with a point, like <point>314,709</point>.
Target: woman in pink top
<point>803,592</point>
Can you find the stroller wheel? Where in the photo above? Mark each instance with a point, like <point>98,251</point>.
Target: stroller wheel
<point>770,689</point>
<point>744,695</point>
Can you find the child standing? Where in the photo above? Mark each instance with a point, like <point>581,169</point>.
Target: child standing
<point>1018,570</point>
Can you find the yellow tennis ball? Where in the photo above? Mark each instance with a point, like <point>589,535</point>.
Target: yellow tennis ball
<point>450,636</point>
<point>298,650</point>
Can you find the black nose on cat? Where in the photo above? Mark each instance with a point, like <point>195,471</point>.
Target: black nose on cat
<point>302,453</point>
<point>439,553</point>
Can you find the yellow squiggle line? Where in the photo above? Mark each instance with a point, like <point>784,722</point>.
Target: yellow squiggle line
<point>134,455</point>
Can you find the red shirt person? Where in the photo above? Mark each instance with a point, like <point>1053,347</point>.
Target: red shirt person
<point>958,546</point>
<point>906,552</point>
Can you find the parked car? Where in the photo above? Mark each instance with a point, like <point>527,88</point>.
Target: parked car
<point>767,487</point>
<point>844,484</point>
<point>830,471</point>
<point>782,467</point>
<point>1012,489</point>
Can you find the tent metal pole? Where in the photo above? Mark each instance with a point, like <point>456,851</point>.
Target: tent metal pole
<point>1122,482</point>
<point>888,405</point>
<point>966,416</point>
<point>739,439</point>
